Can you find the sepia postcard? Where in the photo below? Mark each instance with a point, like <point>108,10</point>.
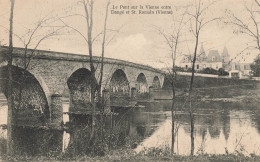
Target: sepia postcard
<point>129,80</point>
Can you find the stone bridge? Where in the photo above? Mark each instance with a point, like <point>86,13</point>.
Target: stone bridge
<point>53,76</point>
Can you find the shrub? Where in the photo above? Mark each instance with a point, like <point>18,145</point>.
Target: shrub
<point>209,71</point>
<point>3,145</point>
<point>222,72</point>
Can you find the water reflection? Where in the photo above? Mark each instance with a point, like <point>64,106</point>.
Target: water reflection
<point>220,128</point>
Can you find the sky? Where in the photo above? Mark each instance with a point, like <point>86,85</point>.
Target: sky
<point>131,37</point>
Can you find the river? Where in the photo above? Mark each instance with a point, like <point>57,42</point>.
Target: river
<point>221,127</point>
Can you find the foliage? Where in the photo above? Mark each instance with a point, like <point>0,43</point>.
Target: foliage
<point>158,154</point>
<point>4,54</point>
<point>3,145</point>
<point>255,67</point>
<point>189,70</point>
<point>181,69</point>
<point>209,71</point>
<point>182,82</point>
<point>222,72</point>
<point>107,138</point>
<point>128,155</point>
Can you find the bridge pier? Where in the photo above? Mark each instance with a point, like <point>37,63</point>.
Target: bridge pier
<point>133,92</point>
<point>106,101</point>
<point>56,111</point>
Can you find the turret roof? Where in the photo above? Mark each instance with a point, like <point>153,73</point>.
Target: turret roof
<point>225,52</point>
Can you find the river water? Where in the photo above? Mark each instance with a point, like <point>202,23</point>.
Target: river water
<point>217,131</point>
<point>221,127</point>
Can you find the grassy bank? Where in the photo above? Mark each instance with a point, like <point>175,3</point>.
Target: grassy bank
<point>183,82</point>
<point>128,155</point>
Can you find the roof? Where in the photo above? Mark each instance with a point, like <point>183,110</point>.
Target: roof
<point>225,52</point>
<point>213,56</point>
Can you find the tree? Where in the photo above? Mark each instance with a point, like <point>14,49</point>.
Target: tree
<point>247,25</point>
<point>96,85</point>
<point>89,38</point>
<point>26,62</point>
<point>198,21</point>
<point>255,67</point>
<point>172,40</point>
<point>10,85</point>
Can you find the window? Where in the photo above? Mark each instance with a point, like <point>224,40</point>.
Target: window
<point>186,66</point>
<point>198,66</point>
<point>237,67</point>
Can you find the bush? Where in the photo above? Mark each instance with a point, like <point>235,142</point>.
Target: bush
<point>189,70</point>
<point>209,71</point>
<point>256,67</point>
<point>222,72</point>
<point>181,69</point>
<point>107,137</point>
<point>3,145</point>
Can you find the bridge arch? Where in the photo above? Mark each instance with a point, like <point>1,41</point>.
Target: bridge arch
<point>38,77</point>
<point>156,82</point>
<point>29,96</point>
<point>77,67</point>
<point>79,85</point>
<point>119,82</point>
<point>141,83</point>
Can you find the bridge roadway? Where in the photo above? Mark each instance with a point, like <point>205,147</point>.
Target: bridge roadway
<point>52,76</point>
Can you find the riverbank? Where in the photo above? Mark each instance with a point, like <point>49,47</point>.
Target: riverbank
<point>128,155</point>
<point>244,94</point>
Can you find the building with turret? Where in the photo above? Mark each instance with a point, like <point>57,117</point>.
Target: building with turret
<point>213,60</point>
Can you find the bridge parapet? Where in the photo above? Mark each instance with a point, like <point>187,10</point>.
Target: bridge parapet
<point>53,55</point>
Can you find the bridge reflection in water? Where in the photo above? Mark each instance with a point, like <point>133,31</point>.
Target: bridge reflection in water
<point>220,127</point>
